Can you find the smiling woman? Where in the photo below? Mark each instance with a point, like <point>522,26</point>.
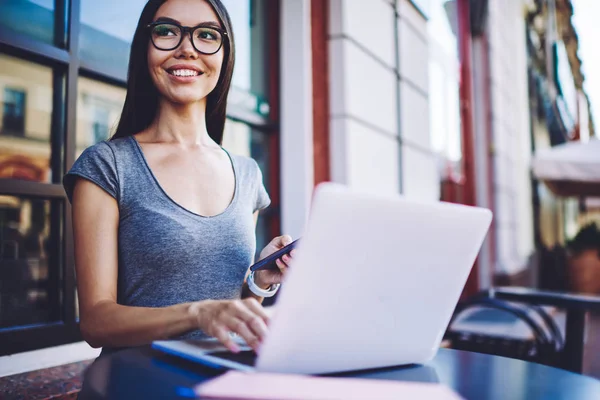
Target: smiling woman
<point>162,208</point>
<point>149,64</point>
<point>95,76</point>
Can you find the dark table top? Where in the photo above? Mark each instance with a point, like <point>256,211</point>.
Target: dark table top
<point>147,373</point>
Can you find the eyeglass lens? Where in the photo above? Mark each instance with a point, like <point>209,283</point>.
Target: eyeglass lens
<point>168,36</point>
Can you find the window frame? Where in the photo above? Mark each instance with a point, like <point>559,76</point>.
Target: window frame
<point>64,58</point>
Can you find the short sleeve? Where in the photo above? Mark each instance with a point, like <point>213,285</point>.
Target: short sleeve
<point>96,164</point>
<point>262,197</point>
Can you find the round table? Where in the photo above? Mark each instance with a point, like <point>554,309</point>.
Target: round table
<point>146,373</point>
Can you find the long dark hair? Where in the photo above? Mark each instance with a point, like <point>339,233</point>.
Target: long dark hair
<point>141,101</point>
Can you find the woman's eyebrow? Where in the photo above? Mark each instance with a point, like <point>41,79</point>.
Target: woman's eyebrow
<point>167,19</point>
<point>214,24</point>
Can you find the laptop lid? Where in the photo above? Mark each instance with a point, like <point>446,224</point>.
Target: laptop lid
<point>374,283</point>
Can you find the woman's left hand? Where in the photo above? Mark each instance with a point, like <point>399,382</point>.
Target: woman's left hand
<point>265,278</point>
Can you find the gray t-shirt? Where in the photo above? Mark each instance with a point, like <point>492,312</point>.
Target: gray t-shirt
<point>168,254</point>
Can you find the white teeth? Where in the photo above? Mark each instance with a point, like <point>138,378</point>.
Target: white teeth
<point>184,72</point>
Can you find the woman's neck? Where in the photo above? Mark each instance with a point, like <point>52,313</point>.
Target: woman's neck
<point>181,124</point>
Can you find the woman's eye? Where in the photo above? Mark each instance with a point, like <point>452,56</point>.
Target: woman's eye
<point>207,35</point>
<point>164,31</point>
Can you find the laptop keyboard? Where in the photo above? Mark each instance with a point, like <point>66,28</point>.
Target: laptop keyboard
<point>246,357</point>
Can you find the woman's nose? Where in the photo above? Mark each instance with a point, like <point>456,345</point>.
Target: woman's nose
<point>186,48</point>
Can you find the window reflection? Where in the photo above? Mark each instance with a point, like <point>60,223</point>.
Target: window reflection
<point>249,85</point>
<point>33,18</point>
<point>444,68</point>
<point>28,292</point>
<point>25,119</point>
<point>239,138</point>
<point>107,28</point>
<point>13,118</point>
<point>424,6</point>
<point>99,107</point>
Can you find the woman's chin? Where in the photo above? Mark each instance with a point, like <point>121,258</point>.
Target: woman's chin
<point>186,99</point>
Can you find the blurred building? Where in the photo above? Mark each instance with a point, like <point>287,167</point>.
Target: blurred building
<point>434,99</point>
<point>560,112</point>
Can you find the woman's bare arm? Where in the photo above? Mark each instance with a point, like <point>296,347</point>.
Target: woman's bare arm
<point>103,322</point>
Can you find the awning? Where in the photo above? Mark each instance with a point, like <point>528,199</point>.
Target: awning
<point>570,169</point>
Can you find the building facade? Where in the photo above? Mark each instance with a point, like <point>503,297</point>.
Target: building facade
<point>428,98</point>
<point>511,138</point>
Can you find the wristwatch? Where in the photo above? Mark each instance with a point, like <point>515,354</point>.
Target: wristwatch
<point>254,288</point>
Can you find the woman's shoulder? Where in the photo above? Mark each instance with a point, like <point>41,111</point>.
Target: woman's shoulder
<point>245,164</point>
<point>249,172</point>
<point>97,163</point>
<point>104,149</point>
<point>248,169</point>
<point>107,151</point>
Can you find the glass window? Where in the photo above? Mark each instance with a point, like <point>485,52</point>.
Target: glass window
<point>107,28</point>
<point>241,139</point>
<point>444,80</point>
<point>13,118</point>
<point>424,6</point>
<point>99,107</point>
<point>25,119</point>
<point>29,292</point>
<point>34,18</point>
<point>249,84</point>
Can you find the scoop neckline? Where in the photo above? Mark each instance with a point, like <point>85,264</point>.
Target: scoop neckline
<point>169,199</point>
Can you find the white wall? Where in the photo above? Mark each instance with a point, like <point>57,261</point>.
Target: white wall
<point>420,175</point>
<point>297,162</point>
<point>363,75</point>
<point>368,149</point>
<point>511,132</point>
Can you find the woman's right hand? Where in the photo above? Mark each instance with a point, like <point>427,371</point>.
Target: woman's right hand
<point>219,318</point>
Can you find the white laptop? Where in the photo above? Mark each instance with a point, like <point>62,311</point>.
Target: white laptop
<point>374,283</point>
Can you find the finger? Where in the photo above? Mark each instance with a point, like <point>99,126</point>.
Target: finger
<point>257,308</point>
<point>293,253</point>
<point>259,323</point>
<point>240,327</point>
<point>285,240</point>
<point>282,267</point>
<point>222,335</point>
<point>281,260</point>
<point>281,241</point>
<point>286,259</point>
<point>254,316</point>
<point>280,264</point>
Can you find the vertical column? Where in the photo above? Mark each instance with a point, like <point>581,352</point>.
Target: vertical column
<point>420,178</point>
<point>483,184</point>
<point>297,169</point>
<point>320,65</point>
<point>466,100</point>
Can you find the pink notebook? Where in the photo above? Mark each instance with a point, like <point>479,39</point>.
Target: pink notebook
<point>235,385</point>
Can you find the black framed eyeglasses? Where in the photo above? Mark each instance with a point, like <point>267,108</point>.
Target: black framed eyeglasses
<point>169,35</point>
